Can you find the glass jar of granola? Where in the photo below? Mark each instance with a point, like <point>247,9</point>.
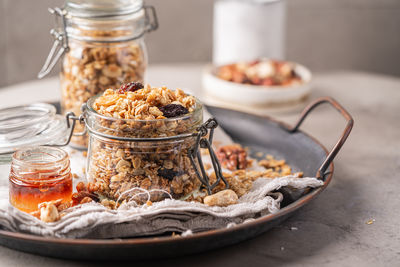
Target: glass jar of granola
<point>102,46</point>
<point>140,142</point>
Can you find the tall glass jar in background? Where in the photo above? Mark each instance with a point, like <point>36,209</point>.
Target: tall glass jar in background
<point>102,43</point>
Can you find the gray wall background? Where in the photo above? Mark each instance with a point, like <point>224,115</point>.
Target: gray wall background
<point>324,35</point>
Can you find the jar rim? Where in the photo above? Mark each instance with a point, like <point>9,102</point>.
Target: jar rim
<point>102,9</point>
<point>91,116</point>
<point>89,107</point>
<point>62,156</point>
<point>125,27</point>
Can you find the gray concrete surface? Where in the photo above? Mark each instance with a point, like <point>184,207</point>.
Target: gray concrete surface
<point>324,35</point>
<point>333,229</point>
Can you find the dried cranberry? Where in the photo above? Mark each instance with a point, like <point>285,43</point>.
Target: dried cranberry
<point>130,87</point>
<point>173,110</point>
<point>167,173</point>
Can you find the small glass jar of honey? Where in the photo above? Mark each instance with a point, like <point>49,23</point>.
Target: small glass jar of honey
<point>39,174</point>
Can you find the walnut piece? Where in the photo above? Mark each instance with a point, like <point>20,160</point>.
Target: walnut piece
<point>233,157</point>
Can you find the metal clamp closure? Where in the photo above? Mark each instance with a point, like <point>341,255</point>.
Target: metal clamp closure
<point>151,18</point>
<point>71,122</point>
<point>60,45</point>
<point>194,154</point>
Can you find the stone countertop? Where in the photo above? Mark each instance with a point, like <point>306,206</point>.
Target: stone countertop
<point>330,231</point>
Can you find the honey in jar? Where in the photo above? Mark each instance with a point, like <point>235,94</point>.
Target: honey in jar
<point>39,174</point>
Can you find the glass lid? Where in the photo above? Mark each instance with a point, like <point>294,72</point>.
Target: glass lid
<point>29,125</point>
<point>101,8</point>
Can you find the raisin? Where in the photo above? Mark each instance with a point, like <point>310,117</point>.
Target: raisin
<point>167,173</point>
<point>130,87</point>
<point>173,110</point>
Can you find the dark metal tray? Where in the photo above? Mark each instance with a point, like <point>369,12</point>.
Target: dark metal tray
<point>259,133</point>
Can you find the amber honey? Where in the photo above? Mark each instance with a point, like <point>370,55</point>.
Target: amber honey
<point>37,175</point>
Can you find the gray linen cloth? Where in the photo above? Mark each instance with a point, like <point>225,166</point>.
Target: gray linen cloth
<point>92,220</point>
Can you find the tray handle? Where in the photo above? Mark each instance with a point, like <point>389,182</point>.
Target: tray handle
<point>332,154</point>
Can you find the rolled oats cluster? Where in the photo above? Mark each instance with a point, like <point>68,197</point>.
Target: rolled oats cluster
<point>144,103</point>
<point>120,170</point>
<point>91,68</point>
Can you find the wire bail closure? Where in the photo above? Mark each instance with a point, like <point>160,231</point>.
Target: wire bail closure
<point>202,141</point>
<point>151,18</point>
<point>71,122</point>
<point>60,45</point>
<point>195,156</point>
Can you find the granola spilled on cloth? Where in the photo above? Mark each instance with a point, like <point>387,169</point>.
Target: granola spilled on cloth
<point>240,179</point>
<point>240,182</point>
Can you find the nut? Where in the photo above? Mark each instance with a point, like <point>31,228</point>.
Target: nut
<point>86,200</point>
<point>64,206</point>
<point>110,204</point>
<point>49,212</point>
<point>80,187</point>
<point>233,157</point>
<point>223,198</point>
<point>78,197</point>
<point>260,72</point>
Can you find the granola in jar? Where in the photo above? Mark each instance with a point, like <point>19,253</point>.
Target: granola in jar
<point>102,46</point>
<point>127,161</point>
<point>90,68</point>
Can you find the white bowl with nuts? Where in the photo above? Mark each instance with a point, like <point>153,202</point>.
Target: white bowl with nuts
<point>260,83</point>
